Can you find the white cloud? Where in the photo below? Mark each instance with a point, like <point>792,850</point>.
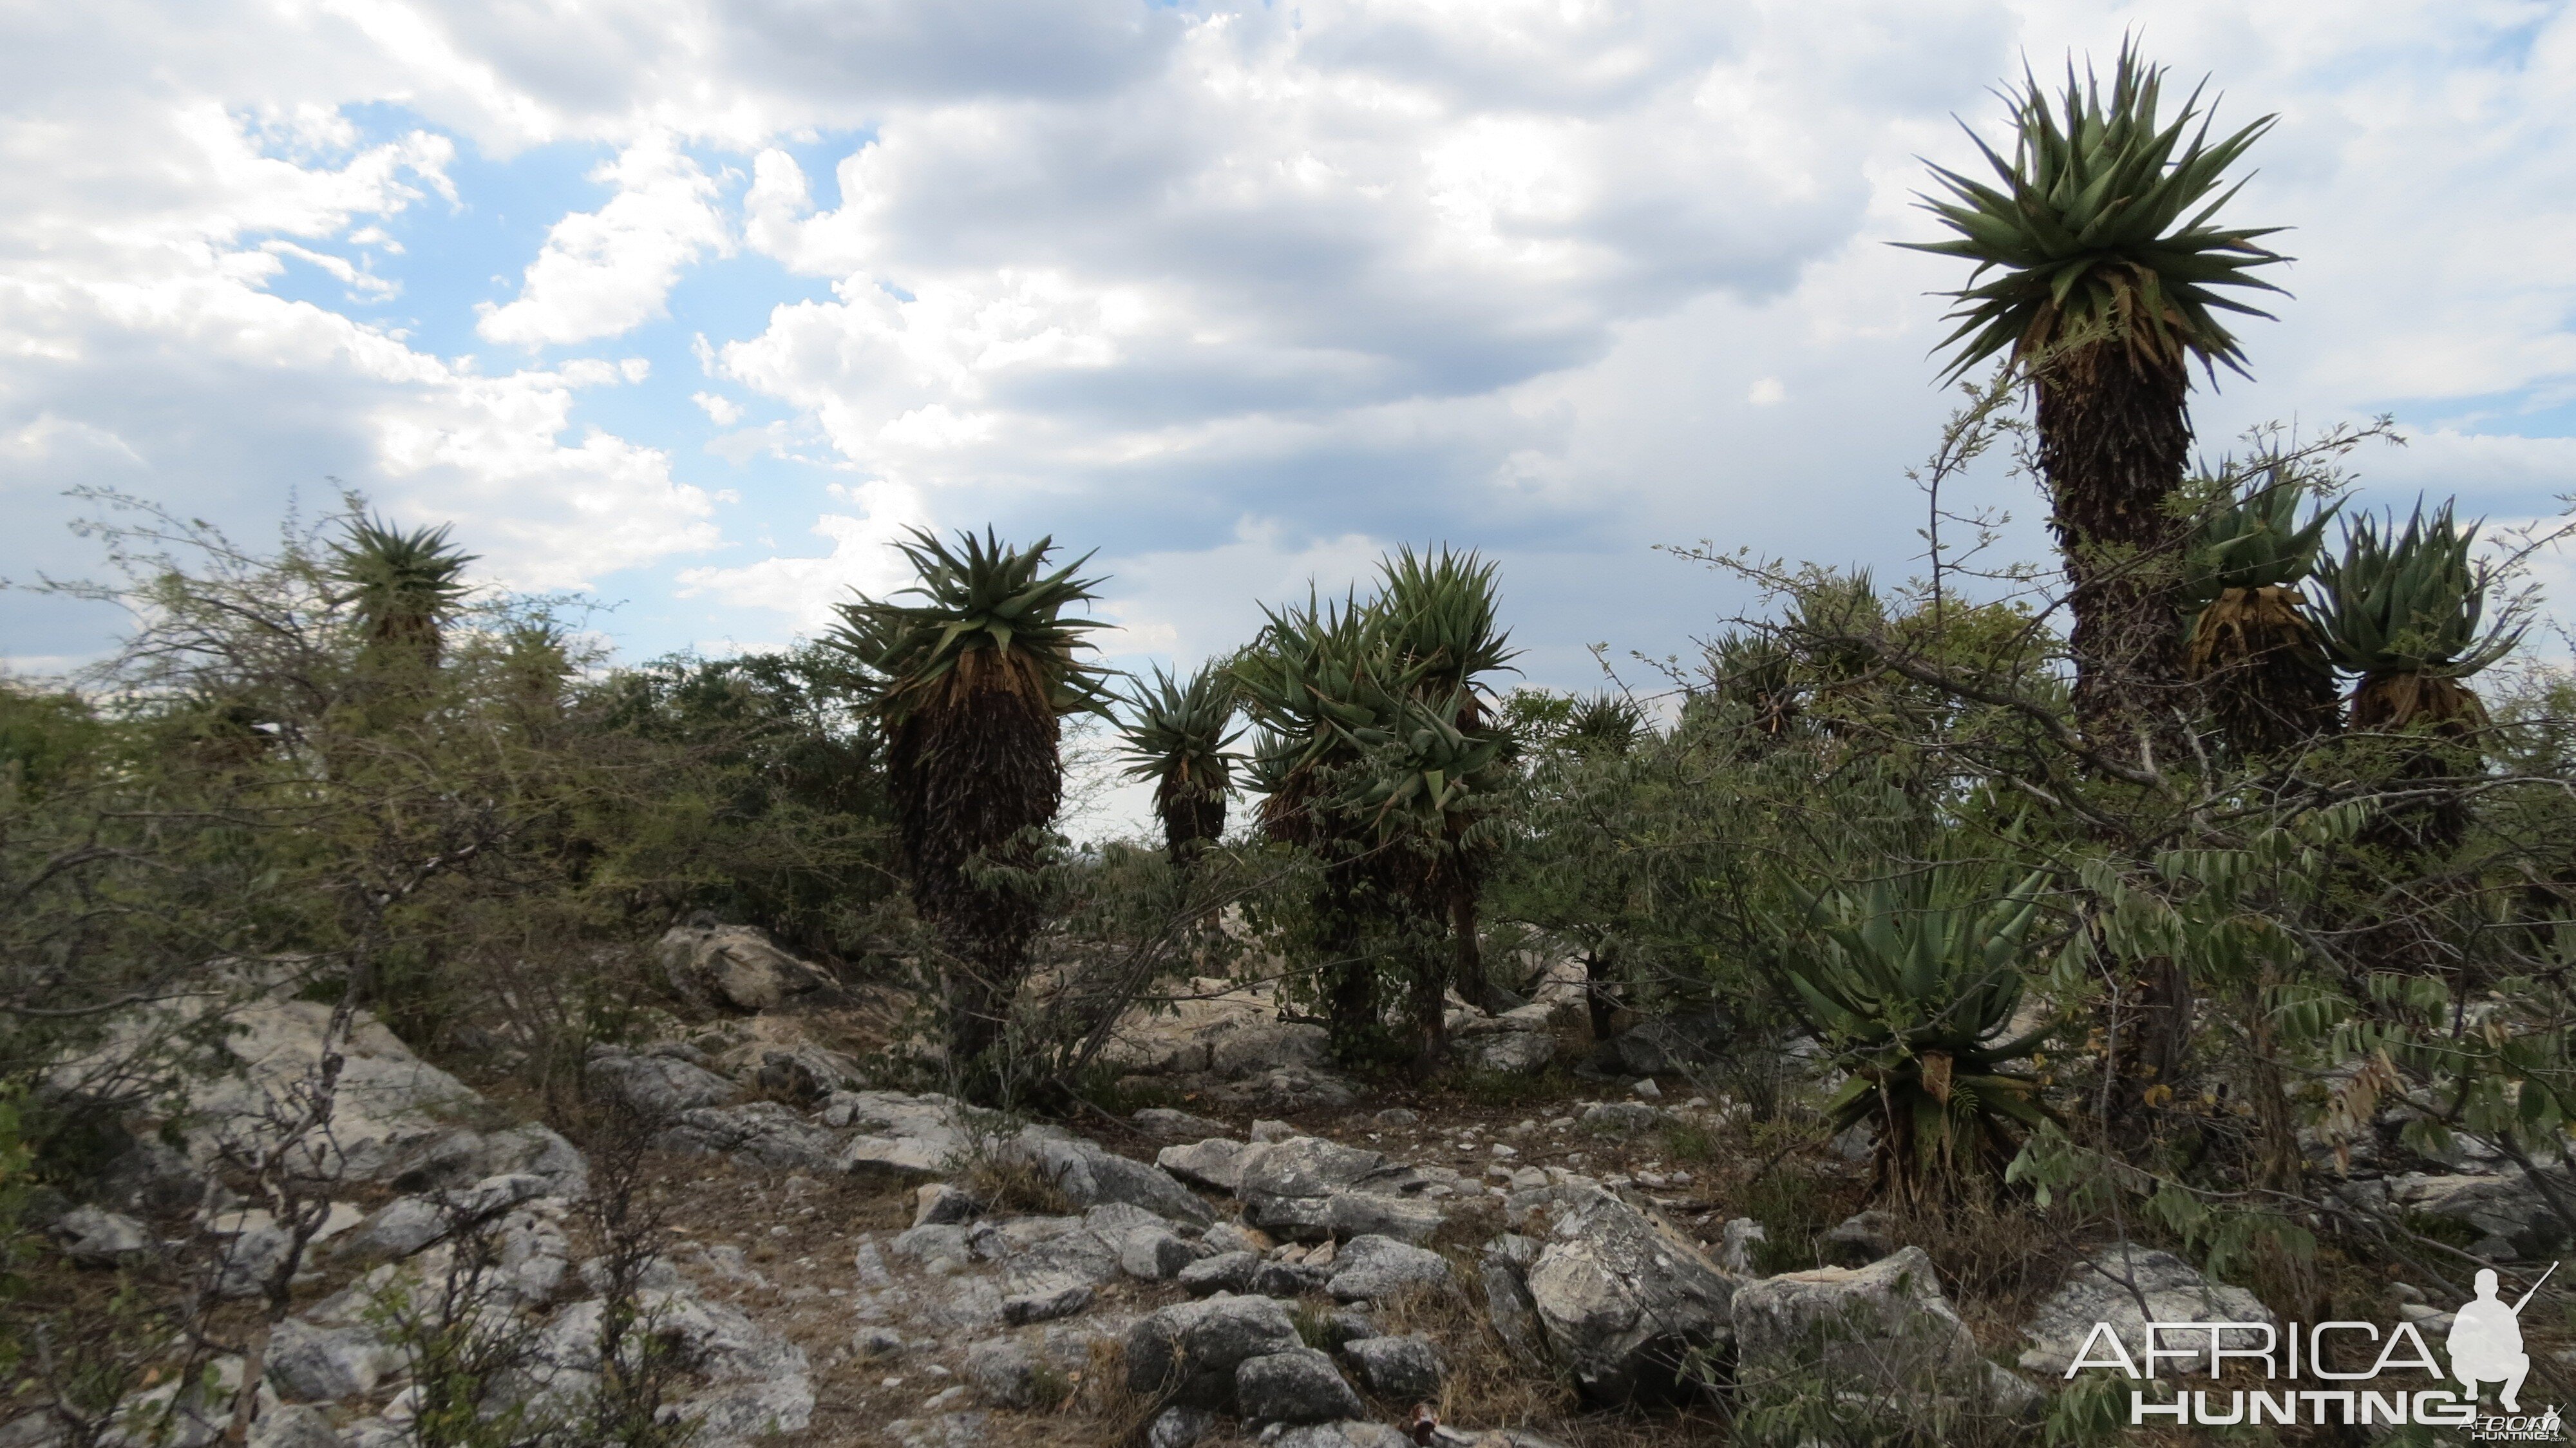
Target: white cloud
<point>806,588</point>
<point>1219,287</point>
<point>608,271</point>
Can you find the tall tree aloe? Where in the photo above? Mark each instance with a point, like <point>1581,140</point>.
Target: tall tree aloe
<point>971,684</point>
<point>2101,272</point>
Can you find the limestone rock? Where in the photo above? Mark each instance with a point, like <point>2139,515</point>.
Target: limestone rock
<point>1354,1434</point>
<point>1216,1162</point>
<point>1299,1385</point>
<point>2107,1289</point>
<point>1624,1299</point>
<point>1405,1368</point>
<point>762,1133</point>
<point>1173,1125</point>
<point>1178,1427</point>
<point>1191,1350</point>
<point>466,1156</point>
<point>1515,1053</point>
<point>733,967</point>
<point>1371,1267</point>
<point>1738,1242</point>
<point>1621,1118</point>
<point>1504,1269</point>
<point>1224,1272</point>
<point>942,1204</point>
<point>311,1364</point>
<point>1880,1331</point>
<point>95,1238</point>
<point>1089,1174</point>
<point>1270,1046</point>
<point>1007,1373</point>
<point>656,1088</point>
<point>1858,1240</point>
<point>2516,1220</point>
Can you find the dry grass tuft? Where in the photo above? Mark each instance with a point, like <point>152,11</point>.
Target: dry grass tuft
<point>1011,1184</point>
<point>1489,1386</point>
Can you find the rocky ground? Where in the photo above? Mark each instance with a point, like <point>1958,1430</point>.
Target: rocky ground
<point>1562,1246</point>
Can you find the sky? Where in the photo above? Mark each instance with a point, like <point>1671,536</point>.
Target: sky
<point>690,306</point>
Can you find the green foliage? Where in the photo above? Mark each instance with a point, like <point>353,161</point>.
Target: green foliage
<point>2410,602</point>
<point>2255,541</point>
<point>1914,980</point>
<point>2101,229</point>
<point>404,586</point>
<point>981,597</point>
<point>775,813</point>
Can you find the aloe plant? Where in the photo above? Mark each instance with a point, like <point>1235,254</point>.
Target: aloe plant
<point>2101,271</point>
<point>1178,734</point>
<point>1914,981</point>
<point>2403,610</point>
<point>971,684</point>
<point>2250,646</point>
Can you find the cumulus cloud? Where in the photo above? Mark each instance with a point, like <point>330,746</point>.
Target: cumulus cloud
<point>863,559</point>
<point>608,271</point>
<point>1241,292</point>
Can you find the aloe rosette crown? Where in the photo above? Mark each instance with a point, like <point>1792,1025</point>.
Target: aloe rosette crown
<point>980,598</point>
<point>1178,734</point>
<point>2256,541</point>
<point>2409,601</point>
<point>404,585</point>
<point>1915,981</point>
<point>2102,224</point>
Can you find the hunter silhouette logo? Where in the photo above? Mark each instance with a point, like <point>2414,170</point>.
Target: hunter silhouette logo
<point>2484,1346</point>
<point>2486,1341</point>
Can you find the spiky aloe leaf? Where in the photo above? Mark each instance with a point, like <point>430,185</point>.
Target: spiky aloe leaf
<point>2099,226</point>
<point>404,585</point>
<point>981,597</point>
<point>2409,602</point>
<point>1178,734</point>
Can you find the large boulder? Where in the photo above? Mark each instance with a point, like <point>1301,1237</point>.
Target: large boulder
<point>1189,1351</point>
<point>1300,1385</point>
<point>315,1364</point>
<point>1216,1162</point>
<point>1306,1189</point>
<point>1090,1175</point>
<point>1407,1369</point>
<point>95,1238</point>
<point>1371,1267</point>
<point>388,1102</point>
<point>1625,1300</point>
<point>656,1087</point>
<point>466,1155</point>
<point>2509,1212</point>
<point>1514,1053</point>
<point>762,1133</point>
<point>732,967</point>
<point>1871,1335</point>
<point>2107,1289</point>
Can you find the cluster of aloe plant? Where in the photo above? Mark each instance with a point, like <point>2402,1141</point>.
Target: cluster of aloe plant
<point>1378,751</point>
<point>2274,616</point>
